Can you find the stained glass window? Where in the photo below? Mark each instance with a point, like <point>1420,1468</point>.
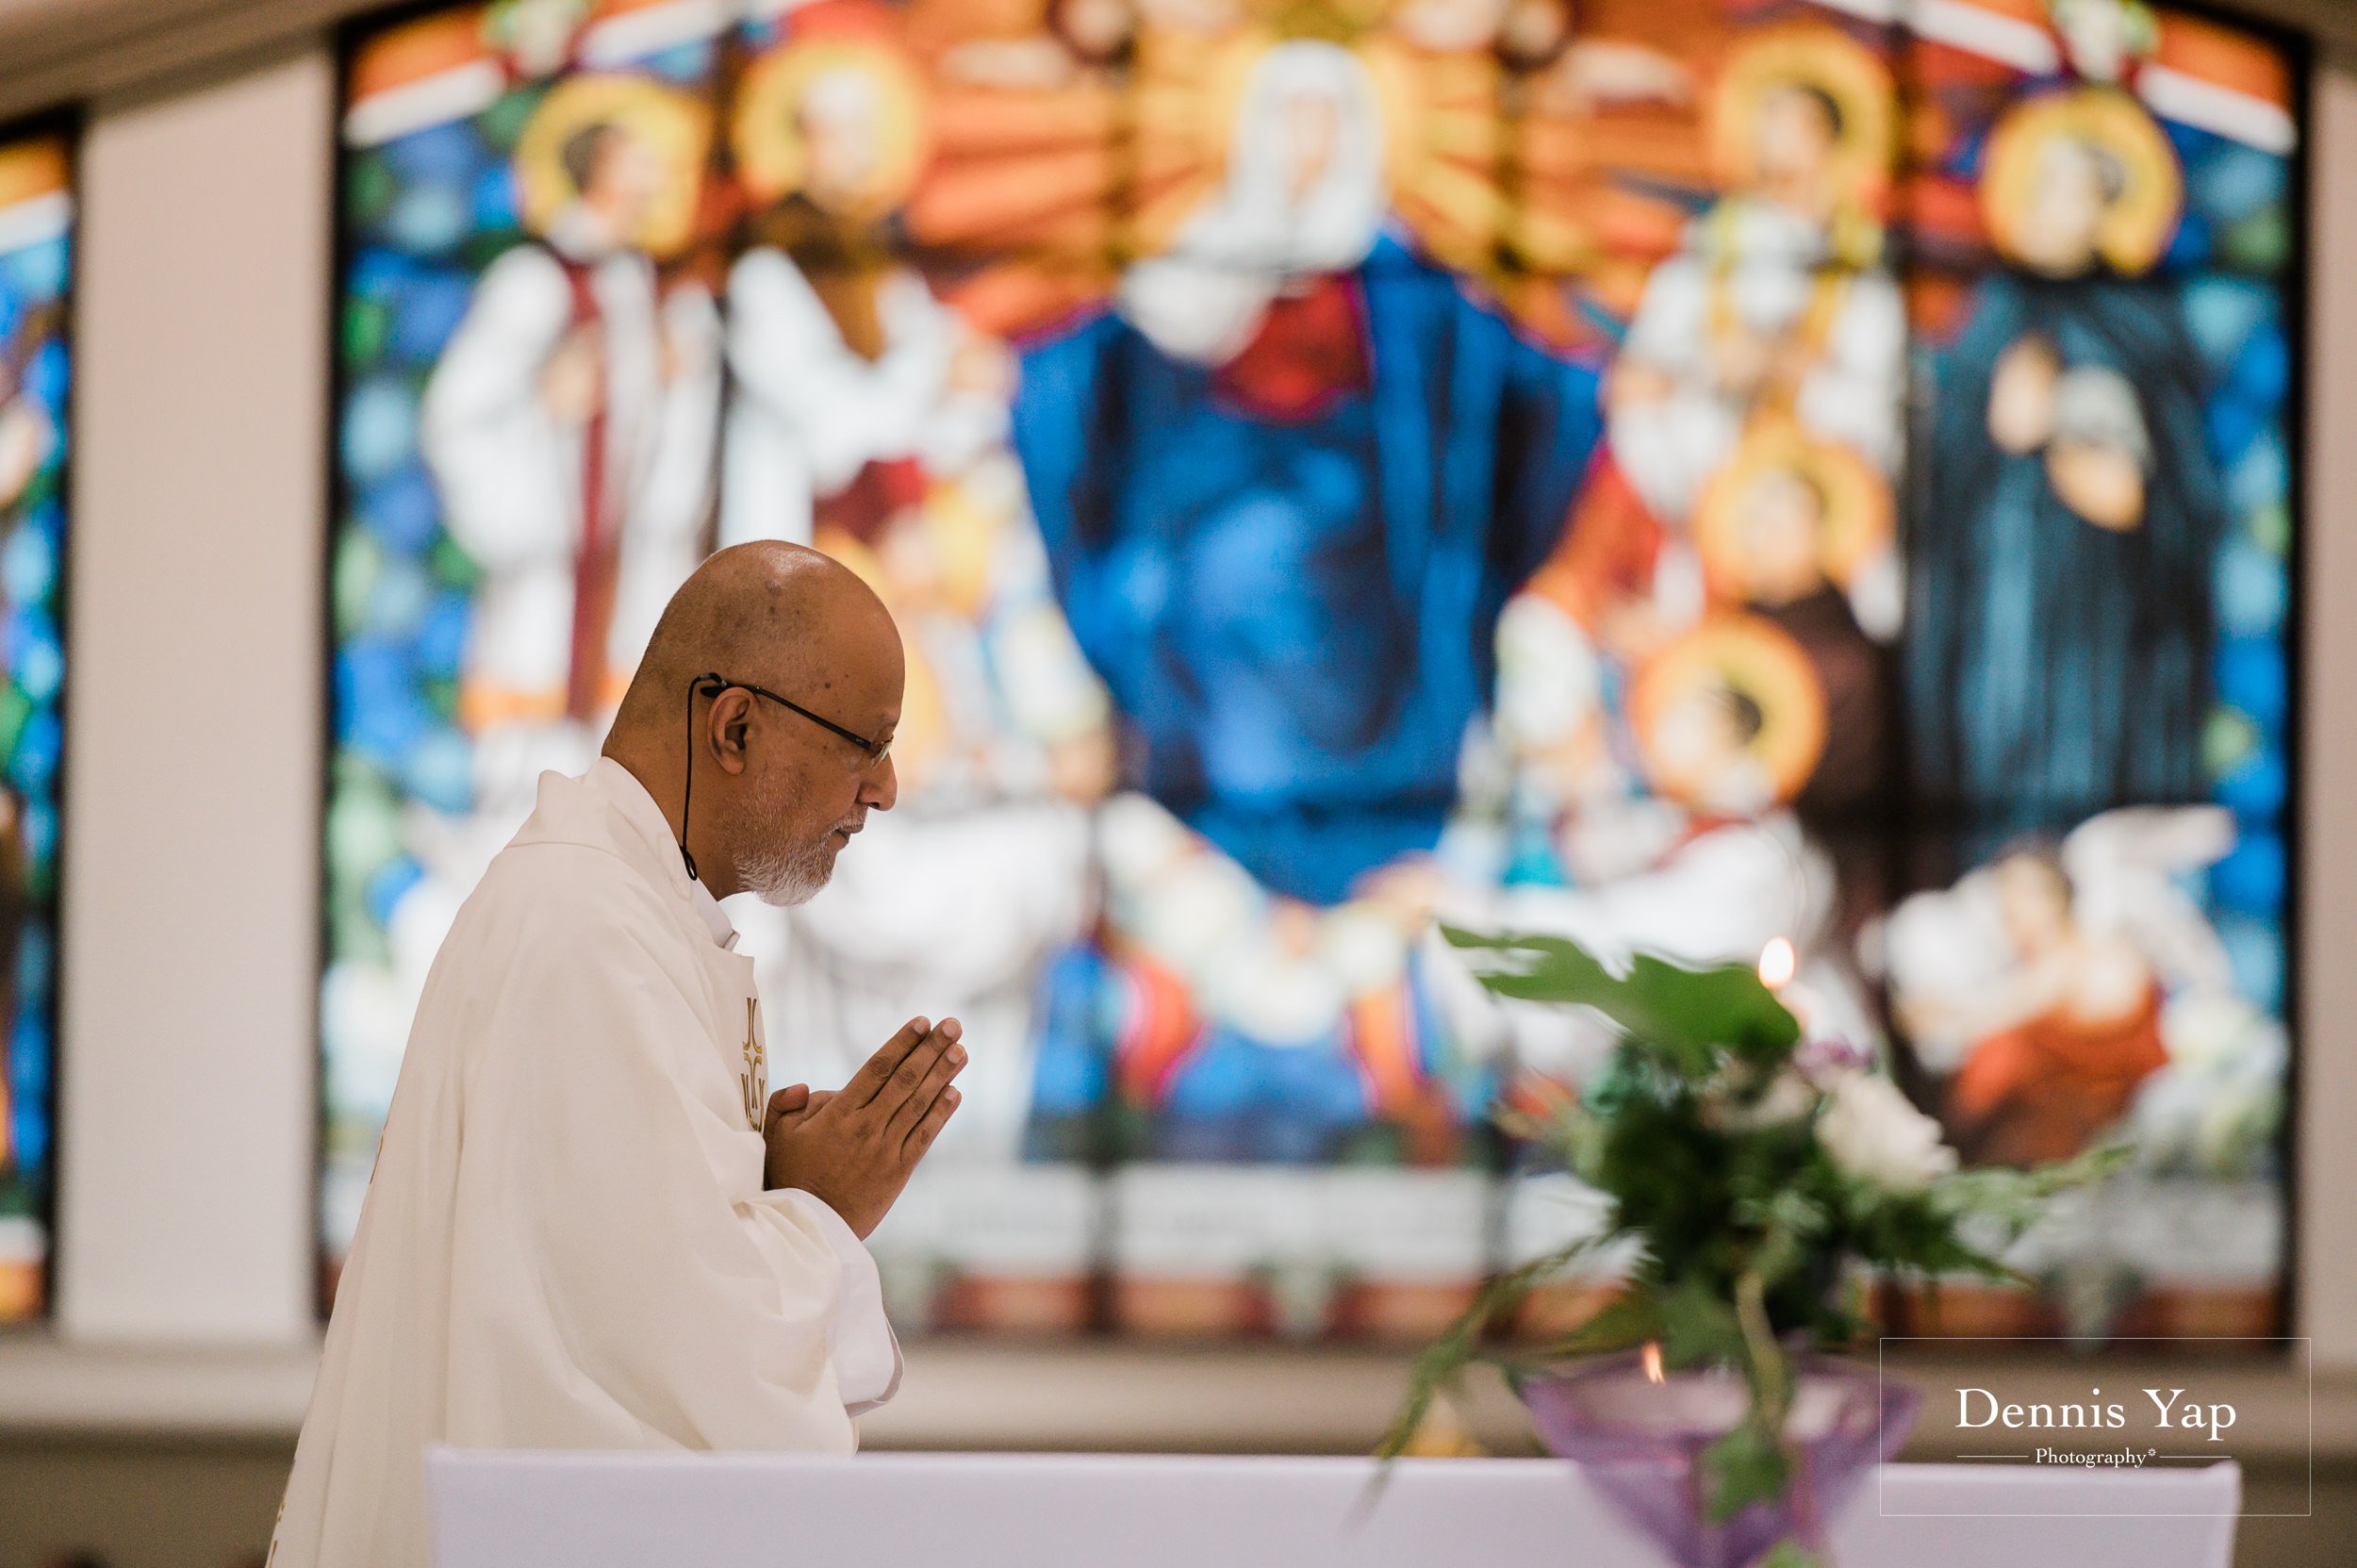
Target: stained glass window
<point>1711,476</point>
<point>35,267</point>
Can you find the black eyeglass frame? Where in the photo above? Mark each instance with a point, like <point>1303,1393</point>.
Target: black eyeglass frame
<point>711,684</point>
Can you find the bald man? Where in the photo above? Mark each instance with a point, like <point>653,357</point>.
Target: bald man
<point>591,1224</point>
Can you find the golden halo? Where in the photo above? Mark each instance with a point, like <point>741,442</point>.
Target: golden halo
<point>1740,654</point>
<point>1182,99</point>
<point>1846,72</point>
<point>671,125</point>
<point>1860,518</point>
<point>1340,20</point>
<point>1399,95</point>
<point>2137,225</point>
<point>1444,138</point>
<point>35,167</point>
<point>767,140</point>
<point>1404,87</point>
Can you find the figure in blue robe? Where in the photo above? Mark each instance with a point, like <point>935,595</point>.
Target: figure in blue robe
<point>1291,595</point>
<point>2055,669</point>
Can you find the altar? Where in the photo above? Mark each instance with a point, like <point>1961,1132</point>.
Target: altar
<point>612,1511</point>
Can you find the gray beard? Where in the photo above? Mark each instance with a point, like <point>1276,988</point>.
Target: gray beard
<point>783,881</point>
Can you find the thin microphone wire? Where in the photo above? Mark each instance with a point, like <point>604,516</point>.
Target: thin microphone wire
<point>688,790</point>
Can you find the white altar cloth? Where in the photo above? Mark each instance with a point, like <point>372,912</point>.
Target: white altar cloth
<point>960,1511</point>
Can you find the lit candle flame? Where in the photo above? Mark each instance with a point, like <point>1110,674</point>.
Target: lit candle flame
<point>1778,962</point>
<point>1650,1355</point>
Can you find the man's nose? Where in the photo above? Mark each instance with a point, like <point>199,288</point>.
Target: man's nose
<point>882,786</point>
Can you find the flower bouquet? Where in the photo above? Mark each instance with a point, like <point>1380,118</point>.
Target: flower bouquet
<point>1756,1173</point>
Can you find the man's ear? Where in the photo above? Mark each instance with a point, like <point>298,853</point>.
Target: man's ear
<point>732,715</point>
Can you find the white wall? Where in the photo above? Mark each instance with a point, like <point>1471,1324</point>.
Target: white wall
<point>2327,1197</point>
<point>193,711</point>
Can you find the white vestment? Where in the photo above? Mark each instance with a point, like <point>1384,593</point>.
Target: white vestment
<point>567,1242</point>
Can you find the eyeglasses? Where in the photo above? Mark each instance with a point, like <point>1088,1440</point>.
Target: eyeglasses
<point>711,685</point>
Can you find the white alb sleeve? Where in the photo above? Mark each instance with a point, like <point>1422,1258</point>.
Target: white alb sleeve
<point>865,1351</point>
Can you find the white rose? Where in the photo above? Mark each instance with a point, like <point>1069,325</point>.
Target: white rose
<point>1873,1132</point>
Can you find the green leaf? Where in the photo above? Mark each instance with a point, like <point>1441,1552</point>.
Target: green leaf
<point>1629,1320</point>
<point>1790,1553</point>
<point>1444,1361</point>
<point>1687,1016</point>
<point>1698,1327</point>
<point>1745,1466</point>
<point>2020,1196</point>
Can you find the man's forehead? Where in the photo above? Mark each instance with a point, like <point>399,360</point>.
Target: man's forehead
<point>839,675</point>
